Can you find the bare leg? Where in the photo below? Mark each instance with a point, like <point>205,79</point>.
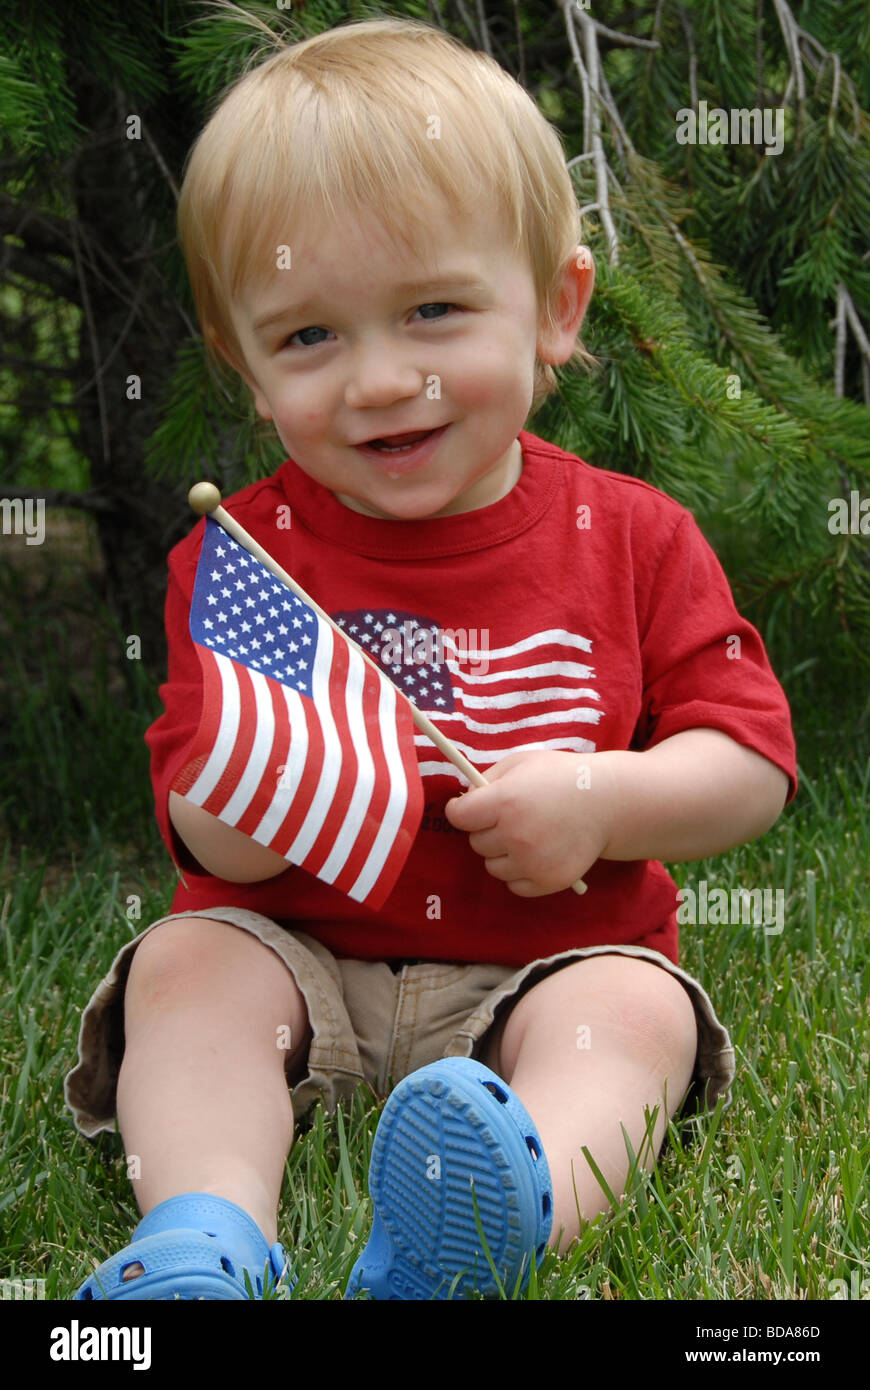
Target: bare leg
<point>586,1048</point>
<point>203,1101</point>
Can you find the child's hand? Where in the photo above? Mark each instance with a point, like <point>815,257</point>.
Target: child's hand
<point>546,818</point>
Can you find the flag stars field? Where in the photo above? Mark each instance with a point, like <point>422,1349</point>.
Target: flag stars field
<point>260,617</point>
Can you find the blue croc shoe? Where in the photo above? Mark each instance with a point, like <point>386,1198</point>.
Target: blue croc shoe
<point>451,1135</point>
<point>190,1247</point>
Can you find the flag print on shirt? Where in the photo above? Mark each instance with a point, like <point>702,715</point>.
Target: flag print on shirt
<point>300,745</point>
<point>535,693</point>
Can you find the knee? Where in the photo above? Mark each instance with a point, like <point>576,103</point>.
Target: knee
<point>192,957</point>
<point>635,1005</point>
<point>197,963</point>
<point>655,1021</point>
<point>172,956</point>
<point>659,1015</point>
<point>646,1002</point>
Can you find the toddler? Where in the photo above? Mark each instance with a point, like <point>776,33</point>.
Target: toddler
<point>581,649</point>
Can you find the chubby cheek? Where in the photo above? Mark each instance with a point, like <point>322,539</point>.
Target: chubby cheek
<point>496,380</point>
<point>303,424</point>
<point>480,376</point>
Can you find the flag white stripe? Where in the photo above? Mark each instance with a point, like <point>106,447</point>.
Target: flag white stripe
<point>492,755</point>
<point>438,769</point>
<point>522,673</point>
<point>226,735</point>
<point>568,716</point>
<point>365,779</point>
<point>332,757</point>
<point>287,784</point>
<point>398,799</point>
<point>261,750</point>
<point>522,697</point>
<point>555,635</point>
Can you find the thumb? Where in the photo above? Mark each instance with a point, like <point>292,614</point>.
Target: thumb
<point>461,810</point>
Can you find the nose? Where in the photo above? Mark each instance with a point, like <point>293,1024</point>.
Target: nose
<point>380,375</point>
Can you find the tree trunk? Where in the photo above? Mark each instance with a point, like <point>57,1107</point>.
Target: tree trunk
<point>130,329</point>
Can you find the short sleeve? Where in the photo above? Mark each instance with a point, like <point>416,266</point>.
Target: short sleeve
<point>704,666</point>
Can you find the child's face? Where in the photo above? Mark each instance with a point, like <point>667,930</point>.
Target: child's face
<point>363,358</point>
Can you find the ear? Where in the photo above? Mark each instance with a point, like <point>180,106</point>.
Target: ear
<point>578,280</point>
<point>238,364</point>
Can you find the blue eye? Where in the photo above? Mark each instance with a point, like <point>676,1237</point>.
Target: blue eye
<point>316,329</point>
<point>312,329</point>
<point>436,306</point>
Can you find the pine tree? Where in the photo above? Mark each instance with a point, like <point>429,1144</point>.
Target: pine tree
<point>731,312</point>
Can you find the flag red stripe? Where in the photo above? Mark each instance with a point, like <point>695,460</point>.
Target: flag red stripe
<point>261,801</point>
<point>292,822</point>
<point>209,722</point>
<point>407,831</point>
<point>241,751</point>
<point>381,793</point>
<point>329,831</point>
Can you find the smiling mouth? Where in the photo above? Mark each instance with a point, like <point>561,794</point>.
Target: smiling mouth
<point>399,454</point>
<point>398,443</point>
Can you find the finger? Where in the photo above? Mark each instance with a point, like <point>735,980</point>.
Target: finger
<point>500,867</point>
<point>489,844</point>
<point>475,810</point>
<point>525,888</point>
<point>505,871</point>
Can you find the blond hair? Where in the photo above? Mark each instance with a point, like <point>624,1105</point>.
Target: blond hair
<point>343,120</point>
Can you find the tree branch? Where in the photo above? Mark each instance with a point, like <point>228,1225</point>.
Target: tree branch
<point>845,299</point>
<point>42,272</point>
<point>57,497</point>
<point>840,340</point>
<point>21,364</point>
<point>484,30</point>
<point>693,57</point>
<point>95,351</point>
<point>816,58</point>
<point>627,40</point>
<point>590,75</point>
<point>40,231</point>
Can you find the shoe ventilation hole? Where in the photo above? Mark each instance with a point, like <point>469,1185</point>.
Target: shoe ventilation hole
<point>134,1264</point>
<point>533,1148</point>
<point>546,1204</point>
<point>228,1266</point>
<point>259,1284</point>
<point>211,1235</point>
<point>88,1294</point>
<point>540,1251</point>
<point>499,1094</point>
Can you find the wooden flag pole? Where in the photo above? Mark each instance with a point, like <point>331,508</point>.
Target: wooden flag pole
<point>205,500</point>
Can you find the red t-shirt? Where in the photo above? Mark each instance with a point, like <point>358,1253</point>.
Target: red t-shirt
<point>582,612</point>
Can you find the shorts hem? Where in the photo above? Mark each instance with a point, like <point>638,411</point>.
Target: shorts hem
<point>341,1057</point>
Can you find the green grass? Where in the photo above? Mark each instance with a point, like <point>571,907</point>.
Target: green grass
<point>73,709</point>
<point>766,1199</point>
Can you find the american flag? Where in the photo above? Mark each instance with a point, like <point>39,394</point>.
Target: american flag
<point>537,692</point>
<point>300,745</point>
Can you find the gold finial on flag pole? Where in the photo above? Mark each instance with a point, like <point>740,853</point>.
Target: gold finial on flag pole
<point>205,500</point>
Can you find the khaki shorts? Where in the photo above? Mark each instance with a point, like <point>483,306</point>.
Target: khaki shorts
<point>372,1021</point>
